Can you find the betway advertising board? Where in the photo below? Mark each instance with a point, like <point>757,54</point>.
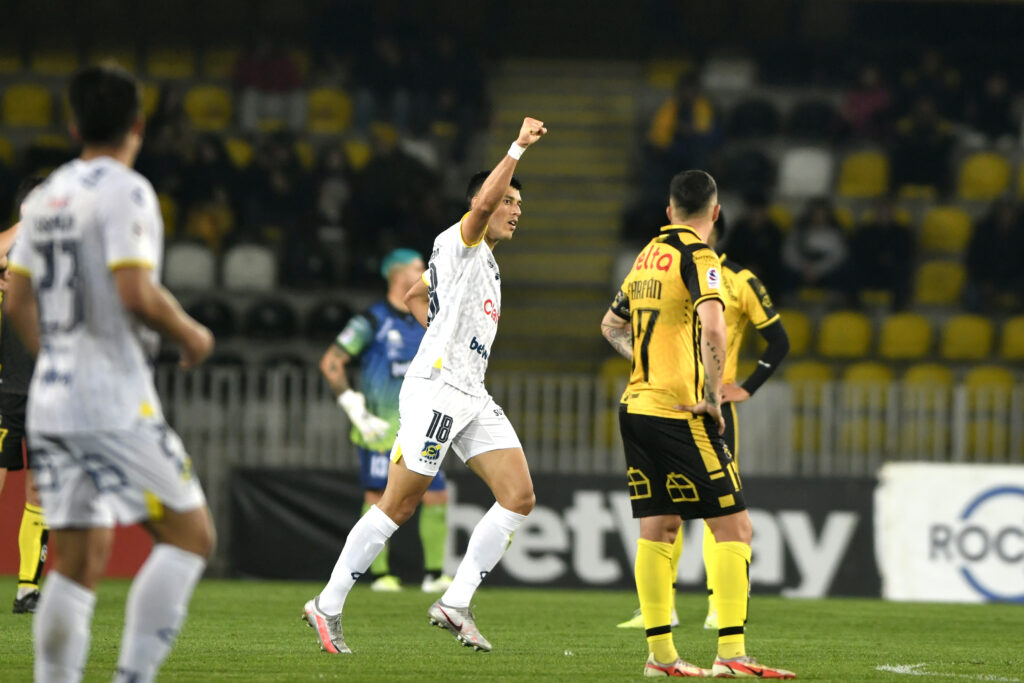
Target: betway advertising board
<point>812,537</point>
<point>951,533</point>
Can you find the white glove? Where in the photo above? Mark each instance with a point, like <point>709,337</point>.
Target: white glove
<point>369,425</point>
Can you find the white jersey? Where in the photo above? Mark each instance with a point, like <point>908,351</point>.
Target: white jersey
<point>93,372</point>
<point>465,304</point>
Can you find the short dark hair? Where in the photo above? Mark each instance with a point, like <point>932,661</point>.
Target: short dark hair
<point>105,102</point>
<point>691,191</point>
<point>477,181</point>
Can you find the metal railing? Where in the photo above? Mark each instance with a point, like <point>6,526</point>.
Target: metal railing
<point>286,417</point>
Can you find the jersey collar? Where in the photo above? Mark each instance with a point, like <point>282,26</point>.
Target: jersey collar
<point>679,228</point>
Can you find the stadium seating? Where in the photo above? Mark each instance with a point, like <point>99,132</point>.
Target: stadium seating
<point>304,153</point>
<point>330,111</point>
<point>798,328</point>
<point>924,405</point>
<point>988,377</point>
<point>905,336</point>
<point>966,337</point>
<point>939,283</point>
<point>808,381</point>
<point>864,175</point>
<point>6,152</point>
<point>728,73</point>
<point>216,314</point>
<point>326,320</point>
<point>168,212</point>
<point>945,230</point>
<point>805,172</point>
<point>989,389</point>
<point>61,62</point>
<point>752,118</point>
<point>749,171</point>
<point>812,120</point>
<point>150,99</point>
<point>10,60</point>
<point>844,334</point>
<point>358,153</point>
<point>270,320</point>
<point>782,216</point>
<point>171,63</point>
<point>250,267</point>
<point>27,105</point>
<point>219,62</point>
<point>1011,347</point>
<point>122,56</point>
<point>868,372</point>
<point>239,151</point>
<point>929,374</point>
<point>983,176</point>
<point>189,266</point>
<point>209,108</point>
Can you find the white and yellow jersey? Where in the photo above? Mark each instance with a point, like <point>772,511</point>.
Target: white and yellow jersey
<point>94,367</point>
<point>465,304</point>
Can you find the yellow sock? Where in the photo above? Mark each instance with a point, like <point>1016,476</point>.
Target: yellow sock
<point>32,537</point>
<point>654,587</point>
<point>731,583</point>
<point>709,563</point>
<point>677,552</point>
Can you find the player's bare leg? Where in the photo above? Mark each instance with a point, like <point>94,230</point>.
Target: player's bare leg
<point>508,476</point>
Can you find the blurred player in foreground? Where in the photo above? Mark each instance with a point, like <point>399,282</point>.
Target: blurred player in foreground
<point>444,404</point>
<point>384,340</point>
<point>668,318</point>
<point>84,295</point>
<point>15,373</point>
<point>746,300</point>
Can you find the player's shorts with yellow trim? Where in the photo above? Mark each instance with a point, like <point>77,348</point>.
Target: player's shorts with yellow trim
<point>679,467</point>
<point>103,478</point>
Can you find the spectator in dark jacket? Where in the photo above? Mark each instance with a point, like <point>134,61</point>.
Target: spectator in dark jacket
<point>994,276</point>
<point>883,249</point>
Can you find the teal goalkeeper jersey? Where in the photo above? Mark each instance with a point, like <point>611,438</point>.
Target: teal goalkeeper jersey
<point>384,340</point>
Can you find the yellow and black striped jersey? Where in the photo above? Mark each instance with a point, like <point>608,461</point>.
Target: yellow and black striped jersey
<point>746,299</point>
<point>673,274</point>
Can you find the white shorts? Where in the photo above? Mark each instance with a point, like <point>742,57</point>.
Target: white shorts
<point>99,479</point>
<point>434,416</point>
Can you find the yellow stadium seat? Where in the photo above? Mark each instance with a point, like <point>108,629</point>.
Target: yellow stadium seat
<point>219,62</point>
<point>169,212</point>
<point>239,151</point>
<point>983,176</point>
<point>900,213</point>
<point>966,337</point>
<point>330,111</point>
<point>928,375</point>
<point>918,192</point>
<point>864,175</point>
<point>122,56</point>
<point>807,372</point>
<point>988,377</point>
<point>782,216</point>
<point>988,395</point>
<point>905,336</point>
<point>305,154</point>
<point>844,334</point>
<point>6,151</point>
<point>807,380</point>
<point>27,104</point>
<point>1012,345</point>
<point>868,372</point>
<point>926,398</point>
<point>171,63</point>
<point>54,62</point>
<point>358,153</point>
<point>150,99</point>
<point>209,108</point>
<point>844,215</point>
<point>946,230</point>
<point>798,328</point>
<point>10,62</point>
<point>939,283</point>
<point>664,73</point>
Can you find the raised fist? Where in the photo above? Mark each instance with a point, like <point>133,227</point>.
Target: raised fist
<point>531,131</point>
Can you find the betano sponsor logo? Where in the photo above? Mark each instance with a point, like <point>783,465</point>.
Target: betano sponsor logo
<point>480,348</point>
<point>986,543</point>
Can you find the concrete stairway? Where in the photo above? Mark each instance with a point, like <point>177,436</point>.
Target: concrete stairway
<point>556,272</point>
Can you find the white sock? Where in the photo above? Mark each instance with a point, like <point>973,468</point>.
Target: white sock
<point>486,546</point>
<point>60,629</point>
<point>362,547</point>
<point>155,610</point>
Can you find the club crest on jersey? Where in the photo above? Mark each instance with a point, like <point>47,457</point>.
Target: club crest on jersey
<point>431,451</point>
<point>713,278</point>
<point>652,257</point>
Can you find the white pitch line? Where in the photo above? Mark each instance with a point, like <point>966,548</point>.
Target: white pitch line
<point>918,670</point>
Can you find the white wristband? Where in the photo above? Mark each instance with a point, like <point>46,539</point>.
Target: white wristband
<point>515,151</point>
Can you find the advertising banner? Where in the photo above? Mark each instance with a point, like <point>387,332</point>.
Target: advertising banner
<point>951,533</point>
<point>812,537</point>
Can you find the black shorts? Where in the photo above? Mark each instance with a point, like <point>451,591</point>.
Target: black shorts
<point>679,467</point>
<point>731,435</point>
<point>12,431</point>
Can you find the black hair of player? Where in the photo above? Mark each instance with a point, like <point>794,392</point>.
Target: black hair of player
<point>477,181</point>
<point>26,185</point>
<point>691,191</point>
<point>105,102</point>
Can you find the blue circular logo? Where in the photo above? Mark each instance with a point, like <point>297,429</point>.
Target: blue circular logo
<point>978,543</point>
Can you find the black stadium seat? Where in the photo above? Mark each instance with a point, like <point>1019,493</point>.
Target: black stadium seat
<point>326,320</point>
<point>271,320</point>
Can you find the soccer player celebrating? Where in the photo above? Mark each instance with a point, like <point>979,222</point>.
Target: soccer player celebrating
<point>15,372</point>
<point>746,300</point>
<point>84,295</point>
<point>385,339</point>
<point>668,319</point>
<point>443,404</point>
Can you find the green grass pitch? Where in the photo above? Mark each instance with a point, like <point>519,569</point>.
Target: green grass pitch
<point>251,631</point>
